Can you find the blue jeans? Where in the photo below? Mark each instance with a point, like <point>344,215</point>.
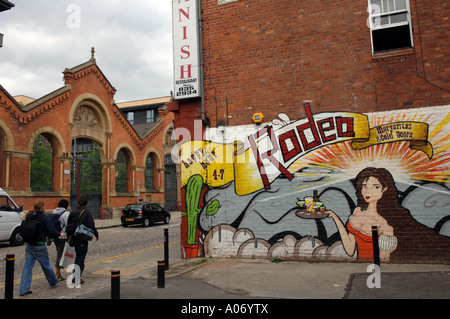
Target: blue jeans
<point>33,253</point>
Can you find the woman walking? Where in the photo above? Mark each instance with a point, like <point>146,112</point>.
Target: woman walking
<point>81,216</point>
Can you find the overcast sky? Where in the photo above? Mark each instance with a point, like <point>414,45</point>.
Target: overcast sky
<point>132,40</point>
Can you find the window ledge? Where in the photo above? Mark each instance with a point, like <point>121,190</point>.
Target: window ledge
<point>393,53</point>
<point>153,190</point>
<point>122,194</point>
<point>44,193</point>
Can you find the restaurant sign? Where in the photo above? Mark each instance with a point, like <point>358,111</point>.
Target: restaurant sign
<point>186,49</point>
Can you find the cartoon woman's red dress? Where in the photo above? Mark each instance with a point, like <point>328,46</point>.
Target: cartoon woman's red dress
<point>363,242</point>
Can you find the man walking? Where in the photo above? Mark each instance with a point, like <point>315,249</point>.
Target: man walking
<point>37,250</point>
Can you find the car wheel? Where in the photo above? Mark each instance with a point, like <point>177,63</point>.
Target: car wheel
<point>166,221</point>
<point>16,238</point>
<point>146,222</point>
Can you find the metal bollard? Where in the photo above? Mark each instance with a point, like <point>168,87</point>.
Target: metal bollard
<point>376,250</point>
<point>9,276</point>
<point>161,279</point>
<point>166,248</point>
<point>115,284</point>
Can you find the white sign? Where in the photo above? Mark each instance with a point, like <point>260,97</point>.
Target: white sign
<point>186,49</point>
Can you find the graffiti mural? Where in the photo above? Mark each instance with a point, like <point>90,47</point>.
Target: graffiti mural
<point>314,187</point>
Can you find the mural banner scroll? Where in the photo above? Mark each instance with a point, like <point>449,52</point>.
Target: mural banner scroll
<point>254,163</point>
<point>415,132</point>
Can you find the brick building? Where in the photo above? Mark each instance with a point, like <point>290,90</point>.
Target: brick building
<point>354,96</point>
<point>143,115</point>
<point>93,150</point>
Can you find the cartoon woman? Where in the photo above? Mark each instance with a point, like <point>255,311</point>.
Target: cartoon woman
<point>374,189</point>
<point>400,236</point>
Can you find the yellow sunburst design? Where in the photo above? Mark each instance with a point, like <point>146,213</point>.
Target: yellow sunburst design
<point>404,163</point>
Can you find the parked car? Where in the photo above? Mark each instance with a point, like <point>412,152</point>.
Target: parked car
<point>11,217</point>
<point>144,214</point>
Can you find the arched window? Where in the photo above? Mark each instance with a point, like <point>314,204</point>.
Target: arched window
<point>121,173</point>
<point>86,174</point>
<point>41,170</point>
<point>149,173</point>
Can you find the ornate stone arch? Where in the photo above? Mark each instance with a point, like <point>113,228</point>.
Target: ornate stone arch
<point>89,117</point>
<point>96,140</point>
<point>52,135</point>
<point>129,149</point>
<point>98,107</point>
<point>158,167</point>
<point>168,143</point>
<point>130,174</point>
<point>159,162</point>
<point>7,135</point>
<point>59,149</point>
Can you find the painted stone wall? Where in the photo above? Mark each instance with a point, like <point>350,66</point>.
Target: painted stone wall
<point>313,187</point>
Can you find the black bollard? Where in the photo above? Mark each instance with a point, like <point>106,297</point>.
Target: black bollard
<point>166,248</point>
<point>115,284</point>
<point>9,276</point>
<point>376,250</point>
<point>161,279</point>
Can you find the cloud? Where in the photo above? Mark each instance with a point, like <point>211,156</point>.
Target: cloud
<point>132,40</point>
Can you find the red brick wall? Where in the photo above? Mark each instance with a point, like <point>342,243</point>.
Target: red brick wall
<point>275,56</point>
<point>270,56</point>
<point>19,126</point>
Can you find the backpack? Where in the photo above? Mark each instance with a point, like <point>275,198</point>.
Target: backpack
<point>54,218</point>
<point>31,230</point>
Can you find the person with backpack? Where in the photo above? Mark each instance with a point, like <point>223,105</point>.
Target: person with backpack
<point>59,218</point>
<point>34,230</point>
<point>81,216</point>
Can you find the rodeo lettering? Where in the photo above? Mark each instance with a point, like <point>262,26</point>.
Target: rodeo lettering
<point>297,141</point>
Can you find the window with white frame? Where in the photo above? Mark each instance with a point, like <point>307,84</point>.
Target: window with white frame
<point>225,1</point>
<point>151,116</point>
<point>130,117</point>
<point>390,25</point>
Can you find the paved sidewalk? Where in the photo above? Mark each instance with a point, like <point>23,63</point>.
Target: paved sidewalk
<point>210,278</point>
<point>255,279</point>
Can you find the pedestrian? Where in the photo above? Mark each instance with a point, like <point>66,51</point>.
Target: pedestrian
<point>38,250</point>
<point>62,214</point>
<point>81,216</point>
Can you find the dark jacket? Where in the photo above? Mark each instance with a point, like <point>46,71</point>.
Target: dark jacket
<point>47,228</point>
<point>86,219</point>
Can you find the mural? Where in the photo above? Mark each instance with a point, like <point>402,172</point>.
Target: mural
<point>314,187</point>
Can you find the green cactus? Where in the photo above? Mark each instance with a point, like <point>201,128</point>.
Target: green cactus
<point>193,192</point>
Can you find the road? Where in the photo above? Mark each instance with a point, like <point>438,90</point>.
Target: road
<point>134,251</point>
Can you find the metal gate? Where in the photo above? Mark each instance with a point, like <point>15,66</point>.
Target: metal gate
<point>86,175</point>
<point>170,183</point>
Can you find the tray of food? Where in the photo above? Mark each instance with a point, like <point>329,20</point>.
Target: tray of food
<point>304,213</point>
